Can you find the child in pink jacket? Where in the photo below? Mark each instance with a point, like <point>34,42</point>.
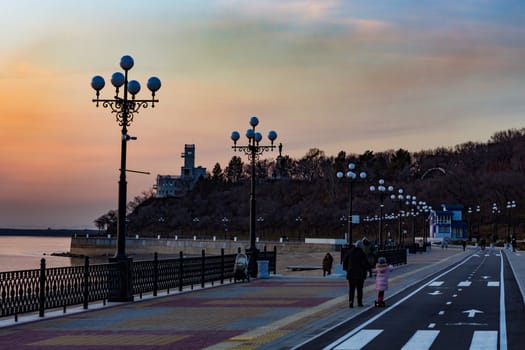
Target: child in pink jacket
<point>382,270</point>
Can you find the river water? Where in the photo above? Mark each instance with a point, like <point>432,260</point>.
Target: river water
<point>25,252</point>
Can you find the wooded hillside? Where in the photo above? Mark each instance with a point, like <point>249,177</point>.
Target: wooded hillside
<point>311,201</point>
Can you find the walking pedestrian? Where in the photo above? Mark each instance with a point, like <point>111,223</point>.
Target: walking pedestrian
<point>514,243</point>
<point>382,270</point>
<point>356,266</point>
<point>328,260</point>
<point>371,254</point>
<point>464,244</point>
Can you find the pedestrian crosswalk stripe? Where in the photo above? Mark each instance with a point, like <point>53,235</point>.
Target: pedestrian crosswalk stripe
<point>484,340</point>
<point>359,340</point>
<point>421,340</point>
<point>436,284</point>
<point>464,284</point>
<point>493,284</point>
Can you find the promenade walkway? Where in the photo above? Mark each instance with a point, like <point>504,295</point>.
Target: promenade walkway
<point>275,313</point>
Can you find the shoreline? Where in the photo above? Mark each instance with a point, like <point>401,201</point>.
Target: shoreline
<point>50,232</point>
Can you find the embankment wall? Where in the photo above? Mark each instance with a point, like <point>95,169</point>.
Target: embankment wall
<point>105,246</point>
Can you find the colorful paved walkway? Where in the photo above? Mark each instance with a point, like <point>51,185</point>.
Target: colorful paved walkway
<point>274,313</point>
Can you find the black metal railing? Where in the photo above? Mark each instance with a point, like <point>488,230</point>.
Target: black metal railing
<point>59,287</point>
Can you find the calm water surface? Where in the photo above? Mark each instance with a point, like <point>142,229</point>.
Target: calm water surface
<point>23,253</point>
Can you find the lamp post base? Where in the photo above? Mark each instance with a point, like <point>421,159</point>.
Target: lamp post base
<point>253,254</point>
<point>120,281</point>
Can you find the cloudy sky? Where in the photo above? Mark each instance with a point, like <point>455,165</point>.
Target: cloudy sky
<point>331,74</point>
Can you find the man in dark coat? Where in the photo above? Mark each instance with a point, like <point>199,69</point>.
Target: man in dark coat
<point>328,261</point>
<point>356,265</point>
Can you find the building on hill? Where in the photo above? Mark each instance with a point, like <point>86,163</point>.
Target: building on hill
<point>177,185</point>
<point>448,223</point>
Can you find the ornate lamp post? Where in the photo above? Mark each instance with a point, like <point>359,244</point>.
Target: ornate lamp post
<point>381,189</point>
<point>400,197</point>
<point>196,221</point>
<point>299,221</point>
<point>260,221</point>
<point>469,211</point>
<point>495,212</point>
<point>225,221</point>
<point>124,107</point>
<point>351,176</point>
<point>478,212</point>
<point>253,150</point>
<point>510,205</point>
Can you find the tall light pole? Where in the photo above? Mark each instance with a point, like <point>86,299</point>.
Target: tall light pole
<point>478,212</point>
<point>253,150</point>
<point>510,205</point>
<point>469,211</point>
<point>400,197</point>
<point>124,107</point>
<point>495,212</point>
<point>381,189</point>
<point>351,176</point>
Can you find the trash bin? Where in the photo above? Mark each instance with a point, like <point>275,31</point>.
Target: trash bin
<point>262,268</point>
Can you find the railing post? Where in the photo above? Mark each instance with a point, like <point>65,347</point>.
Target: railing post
<point>222,266</point>
<point>181,270</point>
<point>155,273</point>
<point>203,268</point>
<point>86,282</point>
<point>274,259</point>
<point>42,299</point>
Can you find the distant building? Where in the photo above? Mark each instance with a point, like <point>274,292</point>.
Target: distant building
<point>281,170</point>
<point>177,185</point>
<point>448,223</point>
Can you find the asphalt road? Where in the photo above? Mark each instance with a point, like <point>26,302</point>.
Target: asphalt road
<point>475,304</point>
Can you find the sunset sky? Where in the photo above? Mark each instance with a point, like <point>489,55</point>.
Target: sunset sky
<point>334,75</point>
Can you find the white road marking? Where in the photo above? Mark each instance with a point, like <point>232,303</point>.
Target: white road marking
<point>472,312</point>
<point>421,340</point>
<point>359,340</point>
<point>436,284</point>
<point>464,284</point>
<point>382,313</point>
<point>466,324</point>
<point>441,313</point>
<point>502,319</point>
<point>454,295</point>
<point>484,340</point>
<point>449,302</point>
<point>493,284</point>
<point>436,292</point>
<point>431,325</point>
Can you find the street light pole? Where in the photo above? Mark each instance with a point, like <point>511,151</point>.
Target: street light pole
<point>351,176</point>
<point>253,150</point>
<point>510,205</point>
<point>124,109</point>
<point>400,197</point>
<point>381,189</point>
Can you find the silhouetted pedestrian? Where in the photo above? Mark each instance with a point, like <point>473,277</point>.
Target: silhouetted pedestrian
<point>371,254</point>
<point>328,260</point>
<point>356,266</point>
